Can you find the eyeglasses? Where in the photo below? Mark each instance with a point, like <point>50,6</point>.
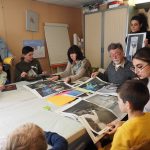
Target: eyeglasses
<point>115,54</point>
<point>138,68</point>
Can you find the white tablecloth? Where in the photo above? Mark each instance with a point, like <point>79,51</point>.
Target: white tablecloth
<point>21,105</point>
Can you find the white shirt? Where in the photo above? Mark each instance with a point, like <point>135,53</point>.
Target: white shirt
<point>117,66</point>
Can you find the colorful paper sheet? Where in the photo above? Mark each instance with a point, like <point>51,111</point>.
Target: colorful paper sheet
<point>60,100</point>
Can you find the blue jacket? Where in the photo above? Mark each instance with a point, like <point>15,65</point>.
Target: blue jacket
<point>56,141</point>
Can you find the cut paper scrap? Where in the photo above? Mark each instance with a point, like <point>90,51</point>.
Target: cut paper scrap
<point>47,107</point>
<point>60,100</point>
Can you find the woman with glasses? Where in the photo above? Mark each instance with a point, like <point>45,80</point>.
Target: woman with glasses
<point>141,67</point>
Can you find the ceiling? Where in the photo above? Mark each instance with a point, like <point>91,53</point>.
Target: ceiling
<point>69,3</point>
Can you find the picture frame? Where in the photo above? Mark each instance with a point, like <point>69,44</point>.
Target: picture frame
<point>134,42</point>
<point>32,21</point>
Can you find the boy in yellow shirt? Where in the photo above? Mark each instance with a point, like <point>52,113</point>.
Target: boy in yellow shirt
<point>132,97</point>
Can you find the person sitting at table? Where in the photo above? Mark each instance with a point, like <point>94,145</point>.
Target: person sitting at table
<point>3,75</point>
<point>139,24</point>
<point>78,66</point>
<point>28,68</point>
<point>132,97</point>
<point>118,70</point>
<point>30,136</point>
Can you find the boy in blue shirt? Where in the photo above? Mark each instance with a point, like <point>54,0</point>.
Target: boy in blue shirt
<point>29,136</point>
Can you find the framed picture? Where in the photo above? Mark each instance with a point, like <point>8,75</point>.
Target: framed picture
<point>134,42</point>
<point>32,21</point>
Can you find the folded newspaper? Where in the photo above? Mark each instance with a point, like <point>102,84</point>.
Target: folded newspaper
<point>94,112</point>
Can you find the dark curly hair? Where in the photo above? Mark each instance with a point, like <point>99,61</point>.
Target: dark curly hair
<point>75,49</point>
<point>142,19</point>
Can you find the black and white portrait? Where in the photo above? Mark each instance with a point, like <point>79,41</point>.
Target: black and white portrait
<point>134,42</point>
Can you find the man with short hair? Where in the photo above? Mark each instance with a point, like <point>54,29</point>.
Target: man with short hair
<point>28,67</point>
<point>118,70</point>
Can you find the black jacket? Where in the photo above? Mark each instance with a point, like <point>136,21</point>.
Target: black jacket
<point>23,66</point>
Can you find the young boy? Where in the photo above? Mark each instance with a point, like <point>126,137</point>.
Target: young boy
<point>29,136</point>
<point>132,97</point>
<point>28,67</point>
<point>3,75</point>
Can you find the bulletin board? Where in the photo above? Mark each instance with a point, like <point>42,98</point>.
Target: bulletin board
<point>38,45</point>
<point>58,42</point>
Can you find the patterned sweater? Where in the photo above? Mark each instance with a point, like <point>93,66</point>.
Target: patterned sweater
<point>77,70</point>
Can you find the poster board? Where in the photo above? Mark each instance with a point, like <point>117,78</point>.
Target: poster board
<point>58,42</point>
<point>38,45</point>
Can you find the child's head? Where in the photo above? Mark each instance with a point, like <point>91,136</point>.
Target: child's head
<point>27,53</point>
<point>132,95</point>
<point>26,137</point>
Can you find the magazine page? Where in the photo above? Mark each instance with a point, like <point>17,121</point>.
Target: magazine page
<point>72,92</point>
<point>47,88</point>
<point>38,84</point>
<point>109,90</point>
<point>94,112</point>
<point>82,107</point>
<point>95,137</point>
<point>78,82</point>
<point>62,110</point>
<point>93,84</point>
<point>96,117</point>
<point>94,126</point>
<point>109,102</point>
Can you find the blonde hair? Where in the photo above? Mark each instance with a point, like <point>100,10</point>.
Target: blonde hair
<point>26,137</point>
